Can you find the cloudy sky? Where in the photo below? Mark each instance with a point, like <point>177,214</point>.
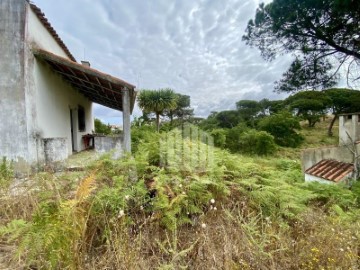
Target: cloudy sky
<point>191,46</point>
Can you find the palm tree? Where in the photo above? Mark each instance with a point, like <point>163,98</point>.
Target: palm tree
<point>157,101</point>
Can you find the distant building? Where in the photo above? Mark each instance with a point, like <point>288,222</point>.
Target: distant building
<point>46,96</point>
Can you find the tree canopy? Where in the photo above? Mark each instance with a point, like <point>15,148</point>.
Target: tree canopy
<point>342,100</point>
<point>322,34</point>
<point>101,127</point>
<point>157,101</point>
<point>182,110</point>
<point>310,105</point>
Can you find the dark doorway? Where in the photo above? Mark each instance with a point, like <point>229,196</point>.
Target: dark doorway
<point>72,130</point>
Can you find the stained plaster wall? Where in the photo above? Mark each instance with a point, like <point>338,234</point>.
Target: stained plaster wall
<point>53,96</point>
<point>349,129</point>
<point>35,102</point>
<point>54,99</point>
<point>13,112</point>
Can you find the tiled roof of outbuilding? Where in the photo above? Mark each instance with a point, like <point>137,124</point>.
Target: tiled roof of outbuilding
<point>331,170</point>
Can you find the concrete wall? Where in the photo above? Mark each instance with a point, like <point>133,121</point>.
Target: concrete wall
<point>311,178</point>
<point>310,157</point>
<point>349,126</point>
<point>35,102</point>
<point>103,144</point>
<point>39,36</point>
<point>55,98</point>
<point>13,122</point>
<point>55,150</point>
<point>49,96</point>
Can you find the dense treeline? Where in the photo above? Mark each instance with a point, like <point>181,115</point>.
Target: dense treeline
<point>254,127</point>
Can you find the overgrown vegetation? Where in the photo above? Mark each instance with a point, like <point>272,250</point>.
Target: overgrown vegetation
<point>238,212</point>
<point>6,173</point>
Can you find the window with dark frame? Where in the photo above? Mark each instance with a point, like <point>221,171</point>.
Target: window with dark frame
<point>81,118</point>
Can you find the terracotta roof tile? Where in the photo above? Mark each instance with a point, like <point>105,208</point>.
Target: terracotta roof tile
<point>329,169</point>
<point>51,30</point>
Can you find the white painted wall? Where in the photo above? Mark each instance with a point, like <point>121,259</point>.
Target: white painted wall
<point>39,35</point>
<point>54,99</point>
<point>311,178</point>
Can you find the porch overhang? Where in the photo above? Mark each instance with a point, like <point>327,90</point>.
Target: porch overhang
<point>98,87</point>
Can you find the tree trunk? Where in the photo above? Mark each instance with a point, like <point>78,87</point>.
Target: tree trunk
<point>171,118</point>
<point>330,133</point>
<point>158,122</point>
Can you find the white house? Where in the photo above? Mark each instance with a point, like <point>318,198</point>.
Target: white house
<point>46,97</point>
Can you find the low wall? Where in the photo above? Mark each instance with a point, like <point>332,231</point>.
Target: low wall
<point>56,151</point>
<point>104,144</point>
<point>310,157</point>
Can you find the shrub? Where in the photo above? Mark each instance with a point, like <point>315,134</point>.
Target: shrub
<point>233,137</point>
<point>250,141</point>
<point>219,136</point>
<point>6,173</point>
<point>257,142</point>
<point>283,127</point>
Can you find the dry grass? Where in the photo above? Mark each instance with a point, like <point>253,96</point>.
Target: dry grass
<point>239,234</point>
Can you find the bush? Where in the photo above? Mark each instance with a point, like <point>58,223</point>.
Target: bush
<point>233,137</point>
<point>283,127</point>
<point>219,136</point>
<point>101,128</point>
<point>241,139</point>
<point>257,142</point>
<point>6,173</point>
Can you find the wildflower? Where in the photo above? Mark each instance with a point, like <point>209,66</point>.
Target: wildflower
<point>215,208</point>
<point>127,197</point>
<point>341,249</point>
<point>183,193</point>
<point>212,201</point>
<point>314,249</point>
<point>121,213</point>
<point>203,225</point>
<point>180,185</point>
<point>141,207</point>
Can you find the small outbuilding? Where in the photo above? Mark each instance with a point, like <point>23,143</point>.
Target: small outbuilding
<point>329,171</point>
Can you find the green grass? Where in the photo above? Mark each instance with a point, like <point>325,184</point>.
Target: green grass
<point>242,212</point>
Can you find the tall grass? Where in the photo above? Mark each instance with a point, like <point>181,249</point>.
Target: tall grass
<point>240,213</point>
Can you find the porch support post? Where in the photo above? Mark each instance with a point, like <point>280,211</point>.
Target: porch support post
<point>126,119</point>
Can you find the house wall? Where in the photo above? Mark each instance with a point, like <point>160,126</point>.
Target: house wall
<point>50,97</point>
<point>39,36</point>
<point>55,98</point>
<point>13,111</point>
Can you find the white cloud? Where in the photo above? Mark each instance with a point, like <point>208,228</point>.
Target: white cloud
<point>192,46</point>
